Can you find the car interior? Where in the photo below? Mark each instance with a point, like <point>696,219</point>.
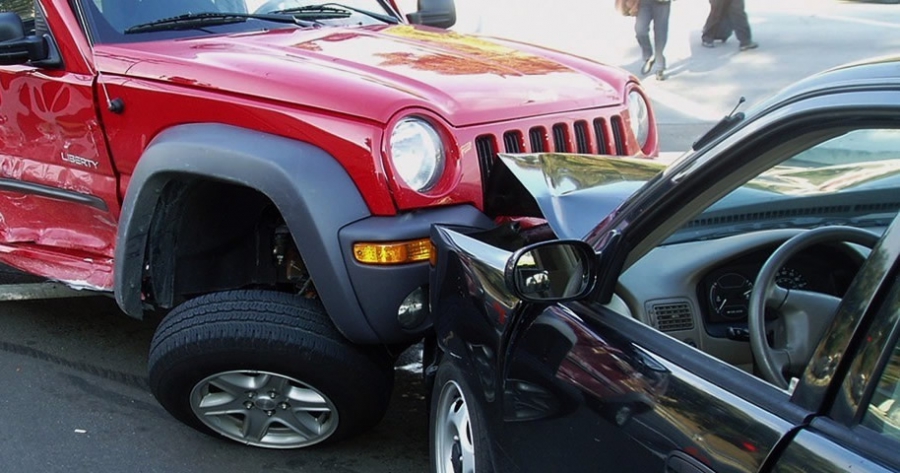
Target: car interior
<point>693,278</point>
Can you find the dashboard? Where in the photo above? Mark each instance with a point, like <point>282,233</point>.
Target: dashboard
<point>705,286</point>
<point>726,289</point>
<point>724,292</point>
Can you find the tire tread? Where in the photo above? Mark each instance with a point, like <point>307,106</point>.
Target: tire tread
<point>285,329</point>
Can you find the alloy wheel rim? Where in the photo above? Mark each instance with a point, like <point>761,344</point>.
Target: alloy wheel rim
<point>454,448</point>
<point>264,409</point>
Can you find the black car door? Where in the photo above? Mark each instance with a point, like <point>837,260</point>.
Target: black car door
<point>586,387</point>
<point>859,428</point>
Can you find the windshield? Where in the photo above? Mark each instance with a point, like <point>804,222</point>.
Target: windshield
<point>853,179</point>
<point>117,21</point>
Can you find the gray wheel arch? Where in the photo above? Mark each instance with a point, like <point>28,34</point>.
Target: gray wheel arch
<point>314,194</point>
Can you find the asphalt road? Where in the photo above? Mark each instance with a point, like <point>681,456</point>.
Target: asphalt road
<point>73,398</point>
<point>73,395</point>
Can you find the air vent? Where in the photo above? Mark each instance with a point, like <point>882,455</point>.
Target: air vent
<point>537,136</point>
<point>512,142</point>
<point>559,138</point>
<point>618,129</point>
<point>672,316</point>
<point>581,139</point>
<point>487,151</point>
<point>600,136</point>
<point>889,207</point>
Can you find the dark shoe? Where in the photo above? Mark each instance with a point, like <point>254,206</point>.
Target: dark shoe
<point>660,75</point>
<point>708,44</point>
<point>749,46</point>
<point>648,65</point>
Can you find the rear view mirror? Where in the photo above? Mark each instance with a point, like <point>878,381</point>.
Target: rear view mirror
<point>437,13</point>
<point>11,27</point>
<point>15,47</point>
<point>552,271</point>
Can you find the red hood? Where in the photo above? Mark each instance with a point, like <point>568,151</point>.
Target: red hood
<point>374,72</point>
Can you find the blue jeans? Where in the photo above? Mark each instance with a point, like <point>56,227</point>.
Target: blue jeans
<point>657,13</point>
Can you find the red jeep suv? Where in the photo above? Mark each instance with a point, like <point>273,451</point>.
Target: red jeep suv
<point>270,170</point>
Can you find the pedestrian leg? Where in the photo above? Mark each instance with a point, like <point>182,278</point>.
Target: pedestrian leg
<point>642,33</point>
<point>738,16</point>
<point>660,35</point>
<point>717,12</point>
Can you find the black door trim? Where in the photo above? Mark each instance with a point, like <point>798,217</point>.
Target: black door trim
<point>13,185</point>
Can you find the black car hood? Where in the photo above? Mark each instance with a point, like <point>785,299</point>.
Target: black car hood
<point>575,192</point>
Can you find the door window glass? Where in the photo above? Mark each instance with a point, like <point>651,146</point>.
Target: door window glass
<point>862,163</point>
<point>883,412</point>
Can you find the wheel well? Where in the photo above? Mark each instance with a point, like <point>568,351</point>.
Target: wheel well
<point>207,236</point>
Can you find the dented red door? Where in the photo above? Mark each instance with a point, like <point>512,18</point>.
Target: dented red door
<point>58,200</point>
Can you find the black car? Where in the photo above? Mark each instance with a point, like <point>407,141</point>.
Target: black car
<point>738,310</point>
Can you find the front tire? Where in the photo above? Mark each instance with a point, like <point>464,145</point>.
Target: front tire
<point>458,437</point>
<point>266,369</point>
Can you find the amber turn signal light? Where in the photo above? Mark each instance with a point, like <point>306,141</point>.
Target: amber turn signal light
<point>387,253</point>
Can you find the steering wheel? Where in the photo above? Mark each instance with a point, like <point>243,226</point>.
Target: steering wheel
<point>804,314</point>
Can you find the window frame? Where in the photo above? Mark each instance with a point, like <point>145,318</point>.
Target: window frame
<point>870,352</point>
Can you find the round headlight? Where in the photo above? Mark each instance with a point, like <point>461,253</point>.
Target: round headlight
<point>640,117</point>
<point>417,153</point>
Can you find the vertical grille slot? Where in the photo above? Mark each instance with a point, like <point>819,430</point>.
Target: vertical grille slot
<point>600,136</point>
<point>512,142</point>
<point>537,137</point>
<point>559,138</point>
<point>618,129</point>
<point>487,152</point>
<point>581,138</point>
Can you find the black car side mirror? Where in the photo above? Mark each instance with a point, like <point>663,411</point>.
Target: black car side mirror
<point>15,47</point>
<point>437,13</point>
<point>552,271</point>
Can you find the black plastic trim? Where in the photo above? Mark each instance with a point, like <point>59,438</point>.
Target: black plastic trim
<point>512,141</point>
<point>581,137</point>
<point>381,289</point>
<point>314,194</point>
<point>600,136</point>
<point>536,138</point>
<point>13,185</point>
<point>560,140</point>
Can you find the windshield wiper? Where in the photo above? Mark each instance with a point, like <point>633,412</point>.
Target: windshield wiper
<point>338,7</point>
<point>196,20</point>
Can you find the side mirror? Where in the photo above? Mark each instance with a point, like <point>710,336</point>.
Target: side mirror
<point>15,47</point>
<point>552,271</point>
<point>437,13</point>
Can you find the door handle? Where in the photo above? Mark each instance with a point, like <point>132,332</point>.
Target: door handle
<point>680,462</point>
